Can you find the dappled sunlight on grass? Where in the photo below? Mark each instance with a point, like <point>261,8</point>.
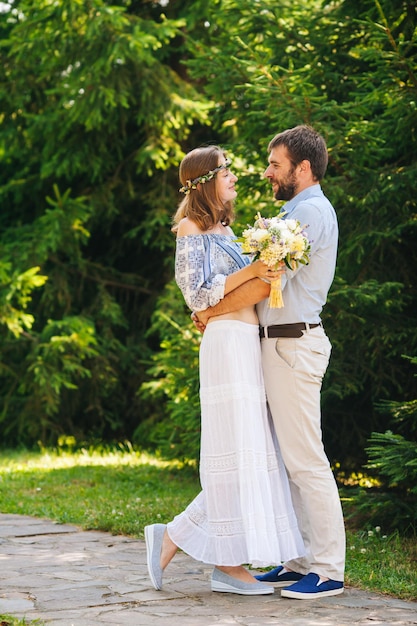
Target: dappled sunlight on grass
<point>60,458</point>
<point>355,479</point>
<point>119,490</point>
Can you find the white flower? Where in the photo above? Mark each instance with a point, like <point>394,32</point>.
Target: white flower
<point>292,224</point>
<point>275,240</point>
<point>260,234</point>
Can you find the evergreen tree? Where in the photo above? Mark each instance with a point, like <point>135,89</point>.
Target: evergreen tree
<point>99,102</point>
<point>349,70</point>
<point>93,118</point>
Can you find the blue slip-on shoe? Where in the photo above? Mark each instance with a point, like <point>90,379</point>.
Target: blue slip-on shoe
<point>310,588</point>
<point>154,535</point>
<point>280,577</point>
<point>227,584</point>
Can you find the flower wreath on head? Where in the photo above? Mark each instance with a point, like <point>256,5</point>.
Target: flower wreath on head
<point>192,184</point>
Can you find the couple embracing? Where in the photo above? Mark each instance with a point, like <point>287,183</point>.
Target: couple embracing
<point>268,496</point>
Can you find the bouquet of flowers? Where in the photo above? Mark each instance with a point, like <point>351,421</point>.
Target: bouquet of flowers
<point>277,241</point>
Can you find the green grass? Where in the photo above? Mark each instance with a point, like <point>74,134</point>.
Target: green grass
<point>8,620</point>
<point>383,563</point>
<point>122,490</point>
<point>119,491</point>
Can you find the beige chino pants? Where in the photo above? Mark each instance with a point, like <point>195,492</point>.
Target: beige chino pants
<point>293,373</point>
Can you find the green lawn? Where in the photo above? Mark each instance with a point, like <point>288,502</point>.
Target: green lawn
<point>121,490</point>
<point>9,620</point>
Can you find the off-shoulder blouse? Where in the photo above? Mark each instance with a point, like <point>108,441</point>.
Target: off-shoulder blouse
<point>202,263</point>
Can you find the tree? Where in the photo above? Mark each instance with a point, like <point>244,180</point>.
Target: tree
<point>350,71</point>
<point>99,101</point>
<point>392,463</point>
<point>93,119</point>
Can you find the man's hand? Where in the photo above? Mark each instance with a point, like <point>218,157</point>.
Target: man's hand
<point>198,322</point>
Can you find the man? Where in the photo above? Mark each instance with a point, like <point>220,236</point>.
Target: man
<point>295,356</point>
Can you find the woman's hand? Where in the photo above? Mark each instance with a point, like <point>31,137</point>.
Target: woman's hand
<point>261,270</point>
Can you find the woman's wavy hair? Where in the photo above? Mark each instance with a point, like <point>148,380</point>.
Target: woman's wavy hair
<point>203,204</point>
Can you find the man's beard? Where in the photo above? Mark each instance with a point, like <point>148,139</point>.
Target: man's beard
<point>288,189</point>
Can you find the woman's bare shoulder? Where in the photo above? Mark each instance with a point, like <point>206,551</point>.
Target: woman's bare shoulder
<point>188,227</point>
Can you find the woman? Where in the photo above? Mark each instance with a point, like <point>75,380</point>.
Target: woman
<point>243,513</point>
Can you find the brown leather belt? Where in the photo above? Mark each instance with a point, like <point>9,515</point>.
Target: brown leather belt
<point>285,330</point>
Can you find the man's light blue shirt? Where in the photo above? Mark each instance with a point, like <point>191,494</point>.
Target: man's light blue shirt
<point>305,289</point>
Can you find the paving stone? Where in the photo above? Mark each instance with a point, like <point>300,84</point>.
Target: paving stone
<point>15,603</point>
<point>63,576</point>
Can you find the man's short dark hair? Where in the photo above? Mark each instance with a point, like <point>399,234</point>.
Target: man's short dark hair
<point>304,143</point>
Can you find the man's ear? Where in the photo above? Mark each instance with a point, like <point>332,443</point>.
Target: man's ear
<point>305,171</point>
<point>305,166</point>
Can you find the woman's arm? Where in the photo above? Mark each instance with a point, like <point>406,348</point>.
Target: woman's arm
<point>249,293</point>
<point>258,269</point>
<point>200,287</point>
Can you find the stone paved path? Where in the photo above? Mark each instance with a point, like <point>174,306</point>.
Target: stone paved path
<point>68,577</point>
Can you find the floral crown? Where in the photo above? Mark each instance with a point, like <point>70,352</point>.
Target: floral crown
<point>192,184</point>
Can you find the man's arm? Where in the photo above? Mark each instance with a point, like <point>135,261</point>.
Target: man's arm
<point>250,293</point>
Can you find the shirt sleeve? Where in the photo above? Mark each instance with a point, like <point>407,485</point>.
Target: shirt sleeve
<point>310,216</point>
<point>200,286</point>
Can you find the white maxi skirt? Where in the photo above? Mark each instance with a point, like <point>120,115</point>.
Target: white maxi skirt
<point>244,513</point>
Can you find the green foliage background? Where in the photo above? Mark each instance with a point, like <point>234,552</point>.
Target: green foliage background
<point>98,103</point>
